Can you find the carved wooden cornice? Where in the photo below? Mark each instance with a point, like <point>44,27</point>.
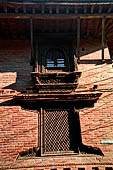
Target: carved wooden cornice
<point>87,96</point>
<point>37,9</point>
<point>59,86</point>
<point>58,1</point>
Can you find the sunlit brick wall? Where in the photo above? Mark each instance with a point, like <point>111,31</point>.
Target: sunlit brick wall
<point>19,127</point>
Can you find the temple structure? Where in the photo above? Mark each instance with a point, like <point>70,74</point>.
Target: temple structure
<point>56,84</point>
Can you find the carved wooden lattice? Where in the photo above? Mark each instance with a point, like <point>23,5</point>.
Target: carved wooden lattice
<point>57,136</point>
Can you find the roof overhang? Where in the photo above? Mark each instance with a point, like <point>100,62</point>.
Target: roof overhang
<point>58,2</point>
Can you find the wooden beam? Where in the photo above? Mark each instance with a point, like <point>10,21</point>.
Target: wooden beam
<point>41,132</point>
<point>103,37</point>
<point>31,32</point>
<point>55,16</point>
<point>78,39</point>
<point>37,67</point>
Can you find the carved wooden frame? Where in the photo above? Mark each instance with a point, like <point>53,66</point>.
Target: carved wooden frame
<point>43,153</point>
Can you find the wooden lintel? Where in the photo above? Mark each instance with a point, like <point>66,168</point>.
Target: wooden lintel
<point>89,96</point>
<point>55,16</point>
<point>95,16</point>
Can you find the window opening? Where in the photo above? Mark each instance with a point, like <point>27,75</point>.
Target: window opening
<point>20,10</point>
<point>11,10</point>
<point>72,10</point>
<point>62,10</point>
<point>46,10</point>
<point>29,10</point>
<point>55,58</point>
<point>1,9</point>
<point>81,168</point>
<point>108,168</point>
<point>95,168</point>
<point>54,11</point>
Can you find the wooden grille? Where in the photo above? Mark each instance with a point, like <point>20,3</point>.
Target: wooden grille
<point>57,137</point>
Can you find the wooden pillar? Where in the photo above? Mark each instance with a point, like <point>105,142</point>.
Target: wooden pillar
<point>103,37</point>
<point>37,66</point>
<point>31,32</point>
<point>78,39</point>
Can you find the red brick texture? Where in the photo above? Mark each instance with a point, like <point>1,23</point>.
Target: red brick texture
<point>19,127</point>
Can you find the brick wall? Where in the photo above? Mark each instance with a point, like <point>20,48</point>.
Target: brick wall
<point>18,127</point>
<point>15,64</point>
<point>96,122</point>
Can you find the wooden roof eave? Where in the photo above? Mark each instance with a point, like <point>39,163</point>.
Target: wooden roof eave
<point>69,2</point>
<point>58,15</point>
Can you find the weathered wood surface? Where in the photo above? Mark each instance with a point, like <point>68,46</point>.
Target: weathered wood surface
<point>58,1</point>
<point>87,96</point>
<point>55,10</point>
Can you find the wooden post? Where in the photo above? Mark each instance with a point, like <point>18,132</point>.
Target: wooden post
<point>103,38</point>
<point>37,67</point>
<point>31,32</point>
<point>41,132</point>
<point>78,39</point>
